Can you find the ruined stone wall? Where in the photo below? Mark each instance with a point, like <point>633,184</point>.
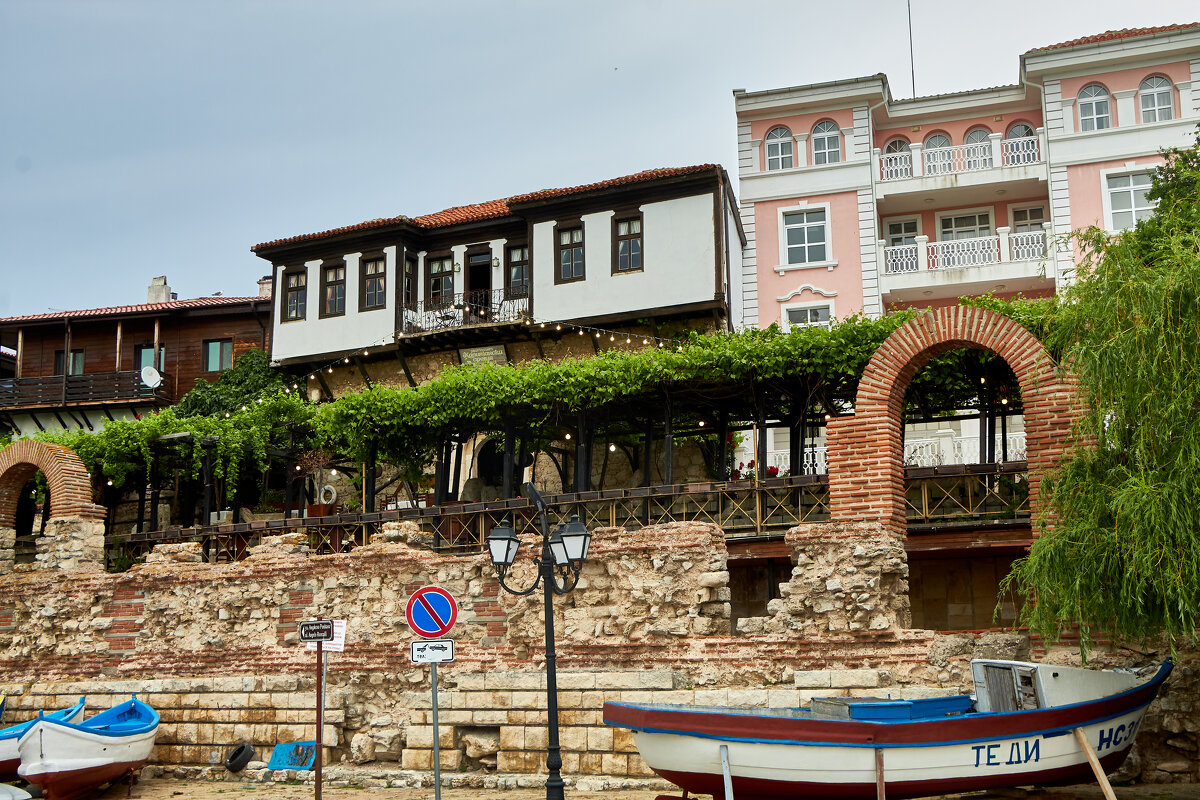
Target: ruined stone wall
<point>214,647</point>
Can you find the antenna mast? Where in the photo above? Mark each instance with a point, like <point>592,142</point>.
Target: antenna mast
<point>911,65</point>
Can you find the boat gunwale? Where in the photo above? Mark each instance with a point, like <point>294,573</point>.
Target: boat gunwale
<point>148,722</point>
<point>15,731</point>
<point>1051,721</point>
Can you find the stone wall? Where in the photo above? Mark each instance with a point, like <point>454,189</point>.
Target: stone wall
<point>214,647</point>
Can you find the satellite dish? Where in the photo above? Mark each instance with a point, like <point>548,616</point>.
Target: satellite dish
<point>151,378</point>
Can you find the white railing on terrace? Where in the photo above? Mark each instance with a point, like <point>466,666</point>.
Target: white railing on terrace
<point>959,158</point>
<point>942,450</point>
<point>919,161</point>
<point>975,252</point>
<point>933,452</point>
<point>964,252</point>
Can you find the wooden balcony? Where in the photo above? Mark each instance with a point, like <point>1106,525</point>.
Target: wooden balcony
<point>90,389</point>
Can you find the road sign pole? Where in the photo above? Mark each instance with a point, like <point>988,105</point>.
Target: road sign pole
<point>320,712</point>
<point>437,751</point>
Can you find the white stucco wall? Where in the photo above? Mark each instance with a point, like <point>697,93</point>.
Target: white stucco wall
<point>678,257</point>
<point>350,331</point>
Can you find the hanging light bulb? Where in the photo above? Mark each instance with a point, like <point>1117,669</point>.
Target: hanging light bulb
<point>612,338</point>
<point>310,377</point>
<point>110,481</point>
<point>701,423</point>
<point>297,468</point>
<point>260,399</point>
<point>645,341</point>
<point>828,417</point>
<point>295,386</point>
<point>244,408</point>
<point>597,334</point>
<point>558,327</point>
<point>333,472</point>
<point>227,415</point>
<point>364,352</point>
<point>612,448</point>
<point>567,437</point>
<point>541,325</point>
<point>347,359</point>
<point>581,331</point>
<point>330,370</point>
<point>660,344</point>
<point>628,340</point>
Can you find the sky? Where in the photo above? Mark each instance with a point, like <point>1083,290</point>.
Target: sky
<point>160,137</point>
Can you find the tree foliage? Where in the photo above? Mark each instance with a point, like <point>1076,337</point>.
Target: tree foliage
<point>1123,557</point>
<point>250,378</point>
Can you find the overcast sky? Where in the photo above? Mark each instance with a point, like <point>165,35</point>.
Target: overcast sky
<point>158,137</point>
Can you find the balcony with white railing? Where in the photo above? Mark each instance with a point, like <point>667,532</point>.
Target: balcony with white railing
<point>936,451</point>
<point>924,268</point>
<point>1007,159</point>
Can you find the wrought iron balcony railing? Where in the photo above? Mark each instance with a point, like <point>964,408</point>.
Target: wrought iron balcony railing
<point>91,388</point>
<point>465,309</point>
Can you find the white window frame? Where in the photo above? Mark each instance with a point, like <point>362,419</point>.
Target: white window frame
<point>1158,110</point>
<point>784,308</point>
<point>1080,100</point>
<point>832,155</point>
<point>958,212</point>
<point>791,143</point>
<point>829,263</point>
<point>885,221</point>
<point>1014,207</point>
<point>1106,197</point>
<point>1008,132</point>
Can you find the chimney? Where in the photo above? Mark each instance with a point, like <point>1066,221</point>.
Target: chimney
<point>159,292</point>
<point>264,287</point>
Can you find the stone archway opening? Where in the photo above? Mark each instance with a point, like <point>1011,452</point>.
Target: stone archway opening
<point>73,536</point>
<point>866,450</point>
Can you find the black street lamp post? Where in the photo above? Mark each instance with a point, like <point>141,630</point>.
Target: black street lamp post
<point>558,566</point>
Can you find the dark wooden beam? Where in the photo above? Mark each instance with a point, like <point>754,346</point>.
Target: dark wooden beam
<point>404,366</point>
<point>324,385</point>
<point>362,370</point>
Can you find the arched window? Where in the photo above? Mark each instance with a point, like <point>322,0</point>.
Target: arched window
<point>1018,130</point>
<point>779,149</point>
<point>939,158</point>
<point>1095,109</point>
<point>899,145</point>
<point>826,143</point>
<point>897,160</point>
<point>1157,99</point>
<point>1020,146</point>
<point>979,149</point>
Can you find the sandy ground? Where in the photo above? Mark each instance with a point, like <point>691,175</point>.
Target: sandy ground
<point>171,789</point>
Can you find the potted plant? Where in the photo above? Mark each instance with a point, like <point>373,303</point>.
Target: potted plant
<point>314,463</point>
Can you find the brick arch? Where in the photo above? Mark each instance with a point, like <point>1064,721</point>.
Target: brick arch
<point>70,482</point>
<point>866,461</point>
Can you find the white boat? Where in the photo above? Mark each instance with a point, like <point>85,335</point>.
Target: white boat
<point>69,760</point>
<point>1026,724</point>
<point>9,758</point>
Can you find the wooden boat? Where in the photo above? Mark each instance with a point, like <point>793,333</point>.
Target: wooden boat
<point>68,760</point>
<point>9,758</point>
<point>1026,724</point>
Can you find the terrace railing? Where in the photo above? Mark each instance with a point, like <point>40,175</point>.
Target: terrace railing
<point>465,309</point>
<point>979,251</point>
<point>920,161</point>
<point>89,388</point>
<point>743,509</point>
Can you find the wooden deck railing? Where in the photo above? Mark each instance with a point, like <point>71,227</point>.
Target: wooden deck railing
<point>91,388</point>
<point>743,509</point>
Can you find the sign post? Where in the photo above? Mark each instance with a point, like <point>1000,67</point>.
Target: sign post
<point>431,613</point>
<point>319,631</point>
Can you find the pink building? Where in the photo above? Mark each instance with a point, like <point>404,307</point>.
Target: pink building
<point>855,202</point>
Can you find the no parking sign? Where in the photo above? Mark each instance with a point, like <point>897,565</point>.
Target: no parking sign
<point>431,612</point>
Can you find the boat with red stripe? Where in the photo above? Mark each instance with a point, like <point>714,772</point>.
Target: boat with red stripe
<point>1025,724</point>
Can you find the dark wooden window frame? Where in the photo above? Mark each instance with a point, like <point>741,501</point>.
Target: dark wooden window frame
<point>59,355</point>
<point>628,215</point>
<point>509,293</point>
<point>324,311</point>
<point>409,294</point>
<point>205,367</point>
<point>475,251</point>
<point>363,278</point>
<point>569,225</point>
<point>138,349</point>
<point>430,275</point>
<point>286,295</point>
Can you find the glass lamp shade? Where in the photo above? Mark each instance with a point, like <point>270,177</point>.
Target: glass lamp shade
<point>558,548</point>
<point>502,544</point>
<point>576,539</point>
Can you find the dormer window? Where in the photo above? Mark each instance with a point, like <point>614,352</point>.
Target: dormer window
<point>1095,109</point>
<point>826,143</point>
<point>779,149</point>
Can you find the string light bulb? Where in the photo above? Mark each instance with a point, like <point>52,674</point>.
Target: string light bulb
<point>567,437</point>
<point>581,331</point>
<point>628,340</point>
<point>330,370</point>
<point>701,423</point>
<point>597,334</point>
<point>364,352</point>
<point>558,327</point>
<point>645,341</point>
<point>612,448</point>
<point>347,359</point>
<point>612,338</point>
<point>110,481</point>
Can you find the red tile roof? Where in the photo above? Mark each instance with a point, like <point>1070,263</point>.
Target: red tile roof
<point>115,311</point>
<point>1112,36</point>
<point>493,209</point>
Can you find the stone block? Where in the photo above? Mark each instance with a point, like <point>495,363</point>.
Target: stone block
<point>600,739</point>
<point>813,679</point>
<point>537,737</point>
<point>783,698</point>
<point>756,698</point>
<point>573,738</point>
<point>623,741</point>
<point>412,758</point>
<point>614,764</point>
<point>512,737</point>
<point>528,700</point>
<point>854,678</point>
<point>576,680</point>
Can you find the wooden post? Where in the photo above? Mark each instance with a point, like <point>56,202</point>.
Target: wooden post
<point>506,485</point>
<point>20,350</point>
<point>668,442</point>
<point>117,367</point>
<point>1098,770</point>
<point>880,787</point>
